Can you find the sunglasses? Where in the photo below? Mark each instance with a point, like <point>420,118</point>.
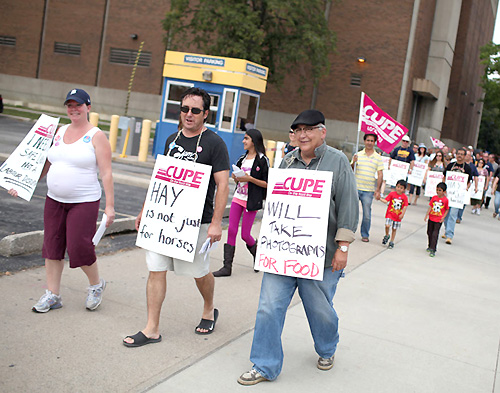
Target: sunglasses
<point>194,111</point>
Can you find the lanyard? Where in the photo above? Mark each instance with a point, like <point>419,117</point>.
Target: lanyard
<point>172,144</point>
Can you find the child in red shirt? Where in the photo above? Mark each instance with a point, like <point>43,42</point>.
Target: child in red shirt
<point>438,209</point>
<point>397,203</point>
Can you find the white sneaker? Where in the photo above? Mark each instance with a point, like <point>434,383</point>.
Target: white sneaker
<point>94,297</point>
<point>251,377</point>
<point>478,212</point>
<point>473,211</point>
<point>47,302</point>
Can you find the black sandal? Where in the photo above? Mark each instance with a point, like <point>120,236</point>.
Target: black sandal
<point>140,339</point>
<point>207,324</point>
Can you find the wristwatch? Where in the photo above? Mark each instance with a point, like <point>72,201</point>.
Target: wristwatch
<point>343,248</point>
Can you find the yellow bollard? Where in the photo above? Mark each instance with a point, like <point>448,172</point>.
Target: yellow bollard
<point>271,151</point>
<point>113,132</point>
<point>123,155</point>
<point>144,145</point>
<point>94,118</point>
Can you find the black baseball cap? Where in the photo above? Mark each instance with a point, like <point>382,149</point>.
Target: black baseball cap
<point>78,95</point>
<point>309,117</point>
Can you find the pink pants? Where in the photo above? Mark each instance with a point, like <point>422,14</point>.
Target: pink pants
<point>246,225</point>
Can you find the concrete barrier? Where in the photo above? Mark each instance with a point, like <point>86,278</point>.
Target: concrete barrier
<point>29,242</point>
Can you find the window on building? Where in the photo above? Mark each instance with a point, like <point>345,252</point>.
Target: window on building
<point>67,49</point>
<point>128,56</point>
<point>228,109</point>
<point>172,109</point>
<point>7,41</point>
<point>247,110</point>
<point>173,95</point>
<point>355,80</point>
<point>214,106</point>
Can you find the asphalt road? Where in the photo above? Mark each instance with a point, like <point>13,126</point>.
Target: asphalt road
<point>19,216</point>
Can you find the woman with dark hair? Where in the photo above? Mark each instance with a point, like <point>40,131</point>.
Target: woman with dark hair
<point>482,171</point>
<point>420,156</point>
<point>438,163</point>
<point>248,197</point>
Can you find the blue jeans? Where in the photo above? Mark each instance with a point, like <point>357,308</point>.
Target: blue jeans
<point>460,214</point>
<point>450,222</point>
<point>497,202</point>
<point>275,295</point>
<point>366,199</point>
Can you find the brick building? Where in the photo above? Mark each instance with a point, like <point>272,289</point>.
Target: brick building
<point>422,62</point>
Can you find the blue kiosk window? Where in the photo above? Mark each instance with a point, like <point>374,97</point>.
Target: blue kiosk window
<point>214,107</point>
<point>173,101</point>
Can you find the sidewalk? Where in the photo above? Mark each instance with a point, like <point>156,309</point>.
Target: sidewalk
<point>408,323</point>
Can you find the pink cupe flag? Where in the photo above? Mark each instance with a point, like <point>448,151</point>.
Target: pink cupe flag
<point>373,120</point>
<point>437,142</point>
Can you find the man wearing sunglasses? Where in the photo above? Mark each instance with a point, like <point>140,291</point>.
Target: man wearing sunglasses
<point>277,291</point>
<point>193,142</point>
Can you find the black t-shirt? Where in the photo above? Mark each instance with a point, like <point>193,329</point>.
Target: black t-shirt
<point>463,168</point>
<point>497,173</point>
<point>211,151</point>
<point>288,148</point>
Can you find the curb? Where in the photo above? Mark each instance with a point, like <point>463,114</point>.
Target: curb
<point>29,242</point>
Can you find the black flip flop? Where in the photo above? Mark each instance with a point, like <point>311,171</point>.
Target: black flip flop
<point>140,339</point>
<point>207,324</point>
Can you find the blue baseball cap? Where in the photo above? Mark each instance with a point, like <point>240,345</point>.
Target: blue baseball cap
<point>79,96</point>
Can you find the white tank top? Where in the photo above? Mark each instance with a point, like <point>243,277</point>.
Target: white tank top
<point>72,176</point>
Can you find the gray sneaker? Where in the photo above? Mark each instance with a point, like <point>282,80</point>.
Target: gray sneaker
<point>391,245</point>
<point>94,297</point>
<point>325,364</point>
<point>47,302</point>
<point>251,377</point>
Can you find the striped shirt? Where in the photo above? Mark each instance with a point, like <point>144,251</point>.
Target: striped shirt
<point>366,167</point>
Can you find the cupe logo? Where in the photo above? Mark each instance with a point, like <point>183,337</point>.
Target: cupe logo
<point>300,187</point>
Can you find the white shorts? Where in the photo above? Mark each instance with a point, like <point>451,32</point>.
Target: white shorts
<point>196,269</point>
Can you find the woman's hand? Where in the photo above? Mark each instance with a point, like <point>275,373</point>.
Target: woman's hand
<point>13,192</point>
<point>110,214</point>
<point>245,178</point>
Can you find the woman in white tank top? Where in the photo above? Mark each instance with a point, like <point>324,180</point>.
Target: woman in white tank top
<point>78,153</point>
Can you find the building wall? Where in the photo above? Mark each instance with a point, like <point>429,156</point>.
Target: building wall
<point>23,20</point>
<point>420,54</point>
<point>127,17</point>
<point>462,117</point>
<point>61,19</point>
<point>379,30</point>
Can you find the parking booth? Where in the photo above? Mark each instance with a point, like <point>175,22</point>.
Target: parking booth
<point>234,86</point>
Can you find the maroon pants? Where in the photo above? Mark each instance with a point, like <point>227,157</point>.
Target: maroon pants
<point>70,226</point>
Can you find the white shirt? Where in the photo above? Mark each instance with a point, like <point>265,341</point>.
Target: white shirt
<point>72,177</point>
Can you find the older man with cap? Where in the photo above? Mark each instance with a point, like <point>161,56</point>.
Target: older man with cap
<point>317,296</point>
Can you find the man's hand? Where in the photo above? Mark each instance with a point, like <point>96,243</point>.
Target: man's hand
<point>339,261</point>
<point>138,221</point>
<point>214,232</point>
<point>377,195</point>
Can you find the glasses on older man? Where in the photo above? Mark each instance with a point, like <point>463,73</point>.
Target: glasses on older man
<point>194,111</point>
<point>307,130</point>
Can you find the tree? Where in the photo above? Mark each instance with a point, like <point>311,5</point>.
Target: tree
<point>284,35</point>
<point>489,129</point>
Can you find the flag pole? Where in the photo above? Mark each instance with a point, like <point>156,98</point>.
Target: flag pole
<point>359,126</point>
